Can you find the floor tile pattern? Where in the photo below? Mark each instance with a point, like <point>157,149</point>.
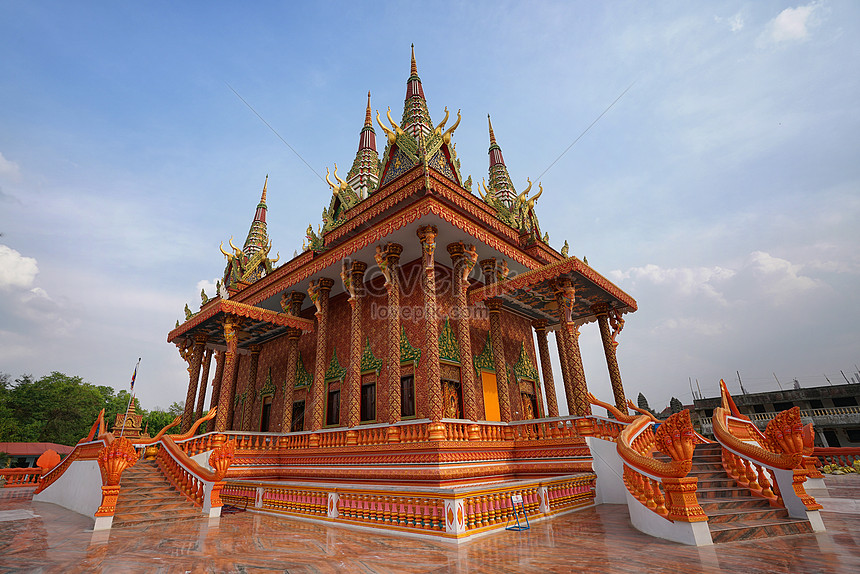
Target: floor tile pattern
<point>598,539</point>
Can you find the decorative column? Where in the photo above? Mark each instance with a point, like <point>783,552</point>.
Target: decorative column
<point>578,394</point>
<point>250,388</point>
<point>388,260</point>
<point>231,357</point>
<point>495,306</point>
<point>318,291</point>
<point>204,382</point>
<point>427,236</point>
<point>464,259</point>
<point>352,276</point>
<point>193,377</point>
<point>546,368</point>
<point>291,305</point>
<point>604,318</point>
<point>216,382</point>
<point>561,343</point>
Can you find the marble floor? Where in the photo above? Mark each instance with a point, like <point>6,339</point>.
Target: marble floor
<point>42,537</point>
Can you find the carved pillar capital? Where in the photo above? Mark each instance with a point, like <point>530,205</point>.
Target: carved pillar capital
<point>291,303</point>
<point>427,236</point>
<point>488,266</point>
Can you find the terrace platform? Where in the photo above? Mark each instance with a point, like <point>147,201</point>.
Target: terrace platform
<point>45,537</point>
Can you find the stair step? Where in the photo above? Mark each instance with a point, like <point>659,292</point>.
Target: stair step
<point>765,528</point>
<point>729,503</point>
<point>721,492</point>
<point>747,515</point>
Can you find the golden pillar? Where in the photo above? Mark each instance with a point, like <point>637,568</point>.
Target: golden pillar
<point>432,383</point>
<point>464,259</point>
<point>291,305</point>
<point>353,281</point>
<point>388,260</point>
<point>250,388</point>
<point>318,291</point>
<point>216,382</point>
<point>546,368</point>
<point>609,345</point>
<point>231,357</point>
<point>204,382</point>
<point>193,377</point>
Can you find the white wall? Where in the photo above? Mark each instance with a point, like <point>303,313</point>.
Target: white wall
<point>79,489</point>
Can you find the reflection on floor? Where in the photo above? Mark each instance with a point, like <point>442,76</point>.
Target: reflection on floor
<point>45,537</point>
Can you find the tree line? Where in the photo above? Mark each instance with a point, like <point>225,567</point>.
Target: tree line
<point>61,409</point>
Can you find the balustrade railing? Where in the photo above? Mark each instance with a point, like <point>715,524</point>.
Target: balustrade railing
<point>842,456</point>
<point>178,473</point>
<point>402,512</point>
<point>297,501</point>
<point>760,462</point>
<point>15,477</point>
<point>82,451</point>
<point>662,487</point>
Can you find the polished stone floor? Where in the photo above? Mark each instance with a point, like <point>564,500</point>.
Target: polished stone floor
<point>42,537</point>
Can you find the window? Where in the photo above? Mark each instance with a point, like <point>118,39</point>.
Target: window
<point>779,407</point>
<point>298,422</point>
<point>815,404</point>
<point>832,441</point>
<point>853,435</point>
<point>265,416</point>
<point>759,409</point>
<point>333,408</point>
<point>407,396</point>
<point>368,402</point>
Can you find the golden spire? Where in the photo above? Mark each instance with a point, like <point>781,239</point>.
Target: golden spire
<point>263,198</point>
<point>492,135</point>
<point>367,120</point>
<point>414,66</point>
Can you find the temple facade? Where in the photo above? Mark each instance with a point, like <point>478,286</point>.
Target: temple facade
<point>415,298</point>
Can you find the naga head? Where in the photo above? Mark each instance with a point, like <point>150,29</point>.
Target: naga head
<point>521,198</point>
<point>392,137</point>
<point>441,126</point>
<point>446,137</point>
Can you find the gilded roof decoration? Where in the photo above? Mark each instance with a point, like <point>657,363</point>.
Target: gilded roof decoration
<point>334,371</point>
<point>484,361</point>
<point>449,348</point>
<point>408,353</point>
<point>524,368</point>
<point>369,362</point>
<point>268,387</point>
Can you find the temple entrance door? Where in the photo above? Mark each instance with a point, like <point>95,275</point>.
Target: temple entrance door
<point>491,397</point>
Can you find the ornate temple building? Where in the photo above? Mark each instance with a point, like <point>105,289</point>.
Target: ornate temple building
<point>387,377</point>
<point>416,298</point>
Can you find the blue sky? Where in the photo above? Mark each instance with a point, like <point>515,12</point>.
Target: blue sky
<point>722,191</point>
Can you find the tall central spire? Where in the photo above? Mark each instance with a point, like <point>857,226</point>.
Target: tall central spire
<point>500,180</point>
<point>416,117</point>
<point>258,237</point>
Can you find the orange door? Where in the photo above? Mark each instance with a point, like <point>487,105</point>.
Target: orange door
<point>491,397</point>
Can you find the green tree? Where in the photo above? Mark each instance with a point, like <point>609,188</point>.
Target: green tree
<point>56,408</point>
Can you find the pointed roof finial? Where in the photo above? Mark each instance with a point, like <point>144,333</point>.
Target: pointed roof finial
<point>492,135</point>
<point>265,183</point>
<point>414,70</point>
<point>367,120</point>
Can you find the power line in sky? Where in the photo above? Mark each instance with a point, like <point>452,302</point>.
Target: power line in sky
<point>292,149</point>
<point>579,137</point>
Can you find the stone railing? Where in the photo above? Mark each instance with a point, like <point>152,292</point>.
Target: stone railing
<point>826,417</point>
<point>14,477</point>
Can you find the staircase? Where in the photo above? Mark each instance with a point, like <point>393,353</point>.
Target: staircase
<point>147,498</point>
<point>733,512</point>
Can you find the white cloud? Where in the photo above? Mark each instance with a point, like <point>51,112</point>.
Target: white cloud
<point>8,168</point>
<point>792,24</point>
<point>735,23</point>
<point>686,281</point>
<point>777,279</point>
<point>16,270</point>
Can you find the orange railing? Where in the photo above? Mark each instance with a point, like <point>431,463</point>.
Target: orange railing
<point>198,484</point>
<point>760,461</point>
<point>20,476</point>
<point>662,487</point>
<point>843,456</point>
<point>82,451</point>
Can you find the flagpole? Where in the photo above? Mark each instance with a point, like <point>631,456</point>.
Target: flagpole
<point>131,398</point>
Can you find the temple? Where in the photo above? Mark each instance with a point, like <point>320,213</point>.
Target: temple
<point>387,376</point>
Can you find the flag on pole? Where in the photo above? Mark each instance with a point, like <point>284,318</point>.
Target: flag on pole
<point>134,375</point>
